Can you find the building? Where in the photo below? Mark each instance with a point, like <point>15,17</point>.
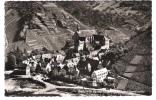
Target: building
<point>85,38</point>
<point>60,58</point>
<point>107,43</point>
<point>88,34</point>
<point>49,56</point>
<point>99,75</point>
<point>81,45</point>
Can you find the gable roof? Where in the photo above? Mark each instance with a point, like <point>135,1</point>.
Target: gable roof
<point>86,33</point>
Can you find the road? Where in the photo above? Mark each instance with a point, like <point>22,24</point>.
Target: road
<point>51,88</point>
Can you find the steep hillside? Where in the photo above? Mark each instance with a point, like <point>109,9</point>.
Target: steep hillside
<point>49,28</point>
<point>115,19</point>
<point>120,17</point>
<point>136,65</point>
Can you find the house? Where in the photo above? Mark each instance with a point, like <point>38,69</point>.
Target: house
<point>107,43</point>
<point>88,34</point>
<point>98,37</point>
<point>81,45</point>
<point>85,38</point>
<point>99,75</point>
<point>98,41</point>
<point>60,58</point>
<point>49,56</point>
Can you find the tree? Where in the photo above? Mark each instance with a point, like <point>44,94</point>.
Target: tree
<point>19,56</point>
<point>25,52</point>
<point>45,50</point>
<point>26,9</point>
<point>11,63</point>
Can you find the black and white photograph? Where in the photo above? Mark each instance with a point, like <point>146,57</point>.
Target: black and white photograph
<point>78,48</point>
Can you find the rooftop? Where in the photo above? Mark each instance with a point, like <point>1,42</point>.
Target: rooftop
<point>86,33</point>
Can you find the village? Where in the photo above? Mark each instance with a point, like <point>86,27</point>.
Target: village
<point>86,59</point>
<point>92,49</point>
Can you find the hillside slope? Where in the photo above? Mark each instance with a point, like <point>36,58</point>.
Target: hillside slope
<point>112,17</point>
<point>49,28</point>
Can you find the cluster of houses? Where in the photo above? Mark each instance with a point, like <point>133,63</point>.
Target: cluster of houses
<point>84,57</point>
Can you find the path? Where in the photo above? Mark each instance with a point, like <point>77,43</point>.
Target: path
<point>50,89</point>
<point>53,89</point>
